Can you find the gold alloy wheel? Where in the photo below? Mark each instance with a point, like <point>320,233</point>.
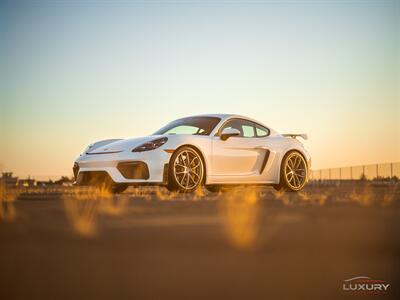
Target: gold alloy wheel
<point>295,171</point>
<point>188,169</point>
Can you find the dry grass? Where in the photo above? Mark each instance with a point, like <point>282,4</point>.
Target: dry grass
<point>389,197</point>
<point>84,206</point>
<point>7,208</point>
<point>240,213</point>
<point>238,207</point>
<point>313,198</point>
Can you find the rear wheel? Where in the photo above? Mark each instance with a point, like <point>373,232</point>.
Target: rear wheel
<point>293,172</point>
<point>186,170</point>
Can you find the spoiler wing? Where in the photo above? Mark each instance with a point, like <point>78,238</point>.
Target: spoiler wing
<point>295,135</point>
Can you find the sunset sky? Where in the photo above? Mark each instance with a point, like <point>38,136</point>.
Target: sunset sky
<point>75,72</point>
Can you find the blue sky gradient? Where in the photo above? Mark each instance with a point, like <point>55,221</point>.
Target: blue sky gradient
<point>75,72</point>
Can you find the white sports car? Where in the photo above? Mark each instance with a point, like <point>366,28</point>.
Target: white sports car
<point>213,150</point>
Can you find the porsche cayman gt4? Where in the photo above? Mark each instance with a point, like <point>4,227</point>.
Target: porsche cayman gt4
<point>213,150</point>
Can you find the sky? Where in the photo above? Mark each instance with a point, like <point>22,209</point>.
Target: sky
<point>74,72</point>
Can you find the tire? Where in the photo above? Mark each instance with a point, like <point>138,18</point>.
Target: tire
<point>186,170</point>
<point>278,187</point>
<point>294,172</point>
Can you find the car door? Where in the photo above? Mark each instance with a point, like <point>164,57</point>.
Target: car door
<point>240,156</point>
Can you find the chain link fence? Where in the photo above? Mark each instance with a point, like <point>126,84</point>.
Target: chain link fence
<point>386,171</point>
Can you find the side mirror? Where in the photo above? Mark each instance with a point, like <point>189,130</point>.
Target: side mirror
<point>229,132</point>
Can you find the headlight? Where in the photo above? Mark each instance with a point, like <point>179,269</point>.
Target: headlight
<point>154,144</point>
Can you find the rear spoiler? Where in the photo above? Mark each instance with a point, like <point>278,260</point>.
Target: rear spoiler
<point>294,135</point>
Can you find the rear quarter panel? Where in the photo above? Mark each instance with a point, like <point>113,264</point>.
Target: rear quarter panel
<point>290,144</point>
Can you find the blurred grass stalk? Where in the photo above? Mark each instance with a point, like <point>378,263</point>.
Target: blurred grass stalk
<point>7,208</point>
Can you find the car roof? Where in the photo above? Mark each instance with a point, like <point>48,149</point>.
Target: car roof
<point>222,116</point>
<point>225,117</point>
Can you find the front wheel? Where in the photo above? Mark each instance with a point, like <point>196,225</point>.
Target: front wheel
<point>186,170</point>
<point>293,172</point>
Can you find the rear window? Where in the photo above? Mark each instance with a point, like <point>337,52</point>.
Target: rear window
<point>261,131</point>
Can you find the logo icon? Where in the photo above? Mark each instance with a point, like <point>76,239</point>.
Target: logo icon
<point>365,285</point>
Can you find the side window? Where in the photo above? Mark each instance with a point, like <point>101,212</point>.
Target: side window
<point>246,128</point>
<point>261,131</point>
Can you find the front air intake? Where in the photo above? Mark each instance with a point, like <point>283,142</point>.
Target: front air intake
<point>134,170</point>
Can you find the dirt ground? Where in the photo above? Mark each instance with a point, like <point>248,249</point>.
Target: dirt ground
<point>245,243</point>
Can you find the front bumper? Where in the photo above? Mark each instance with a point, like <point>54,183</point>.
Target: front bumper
<point>124,167</point>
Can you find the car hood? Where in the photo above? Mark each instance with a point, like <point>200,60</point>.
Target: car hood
<point>122,145</point>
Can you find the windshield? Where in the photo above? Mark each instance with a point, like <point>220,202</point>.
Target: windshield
<point>192,125</point>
